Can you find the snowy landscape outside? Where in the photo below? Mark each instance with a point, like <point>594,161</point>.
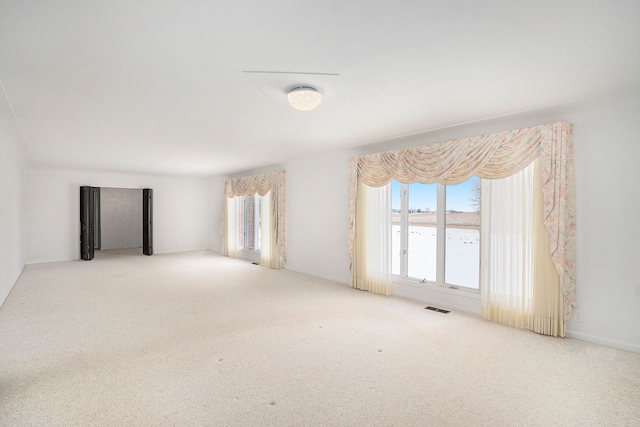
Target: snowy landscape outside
<point>462,241</point>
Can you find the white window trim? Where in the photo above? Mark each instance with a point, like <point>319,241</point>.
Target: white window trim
<point>456,290</point>
<point>252,255</point>
<point>440,285</point>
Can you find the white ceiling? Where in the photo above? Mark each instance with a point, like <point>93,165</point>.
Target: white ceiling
<point>177,87</point>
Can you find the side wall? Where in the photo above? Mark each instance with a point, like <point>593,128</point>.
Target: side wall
<point>14,159</point>
<point>317,216</point>
<point>12,254</point>
<point>181,211</point>
<point>607,152</point>
<point>215,200</point>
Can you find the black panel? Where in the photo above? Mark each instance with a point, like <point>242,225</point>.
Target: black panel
<point>147,221</point>
<point>87,217</point>
<point>97,240</point>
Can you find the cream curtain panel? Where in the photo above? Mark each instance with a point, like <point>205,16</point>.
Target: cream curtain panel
<point>272,183</point>
<point>548,301</point>
<point>371,270</point>
<point>269,256</point>
<point>492,156</point>
<point>230,245</point>
<point>519,283</point>
<point>506,276</point>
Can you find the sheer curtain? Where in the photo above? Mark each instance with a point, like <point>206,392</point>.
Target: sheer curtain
<point>519,285</point>
<point>230,243</point>
<point>371,269</point>
<point>506,245</point>
<point>268,248</point>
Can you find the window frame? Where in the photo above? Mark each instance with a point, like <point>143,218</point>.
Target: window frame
<point>441,197</point>
<point>252,254</point>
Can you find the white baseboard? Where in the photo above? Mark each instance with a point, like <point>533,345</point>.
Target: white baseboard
<point>5,295</point>
<point>462,301</point>
<point>448,304</point>
<point>442,299</point>
<point>319,276</point>
<point>604,341</point>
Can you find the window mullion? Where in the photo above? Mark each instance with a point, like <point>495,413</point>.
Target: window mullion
<point>245,237</point>
<point>441,218</point>
<point>404,229</point>
<point>256,221</point>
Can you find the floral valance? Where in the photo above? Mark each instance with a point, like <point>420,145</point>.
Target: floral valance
<point>263,183</point>
<point>490,156</point>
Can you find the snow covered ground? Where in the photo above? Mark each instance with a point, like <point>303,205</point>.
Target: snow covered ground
<point>462,260</point>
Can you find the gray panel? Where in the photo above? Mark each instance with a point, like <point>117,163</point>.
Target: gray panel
<point>121,213</point>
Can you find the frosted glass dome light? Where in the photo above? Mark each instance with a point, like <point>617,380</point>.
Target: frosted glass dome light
<point>304,98</point>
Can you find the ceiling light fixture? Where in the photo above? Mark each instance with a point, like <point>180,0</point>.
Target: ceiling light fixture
<point>304,98</point>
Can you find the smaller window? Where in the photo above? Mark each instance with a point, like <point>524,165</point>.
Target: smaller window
<point>249,223</point>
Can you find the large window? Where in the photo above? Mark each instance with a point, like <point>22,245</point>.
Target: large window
<point>436,233</point>
<point>249,222</point>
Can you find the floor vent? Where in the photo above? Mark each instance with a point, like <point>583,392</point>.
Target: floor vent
<point>439,310</point>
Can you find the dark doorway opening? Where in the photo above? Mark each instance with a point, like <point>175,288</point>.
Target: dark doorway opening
<point>90,221</point>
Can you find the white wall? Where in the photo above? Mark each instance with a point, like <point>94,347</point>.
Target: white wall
<point>215,201</point>
<point>181,211</point>
<point>607,152</point>
<point>12,254</point>
<point>608,197</point>
<point>14,158</point>
<point>120,218</point>
<point>317,216</point>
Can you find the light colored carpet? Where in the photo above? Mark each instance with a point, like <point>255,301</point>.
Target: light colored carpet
<point>197,339</point>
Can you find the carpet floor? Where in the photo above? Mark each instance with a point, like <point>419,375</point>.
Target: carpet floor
<point>197,339</point>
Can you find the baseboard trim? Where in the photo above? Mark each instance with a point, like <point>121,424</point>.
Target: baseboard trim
<point>436,302</point>
<point>4,297</point>
<point>319,276</point>
<point>397,292</point>
<point>604,341</point>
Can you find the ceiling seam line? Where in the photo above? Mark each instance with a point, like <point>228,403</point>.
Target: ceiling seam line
<point>24,139</point>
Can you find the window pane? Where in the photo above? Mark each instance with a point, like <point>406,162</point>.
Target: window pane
<point>422,231</point>
<point>396,219</point>
<point>241,220</point>
<point>249,222</point>
<point>462,244</point>
<point>257,216</point>
<point>250,225</point>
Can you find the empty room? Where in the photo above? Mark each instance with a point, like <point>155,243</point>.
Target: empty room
<point>319,213</point>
